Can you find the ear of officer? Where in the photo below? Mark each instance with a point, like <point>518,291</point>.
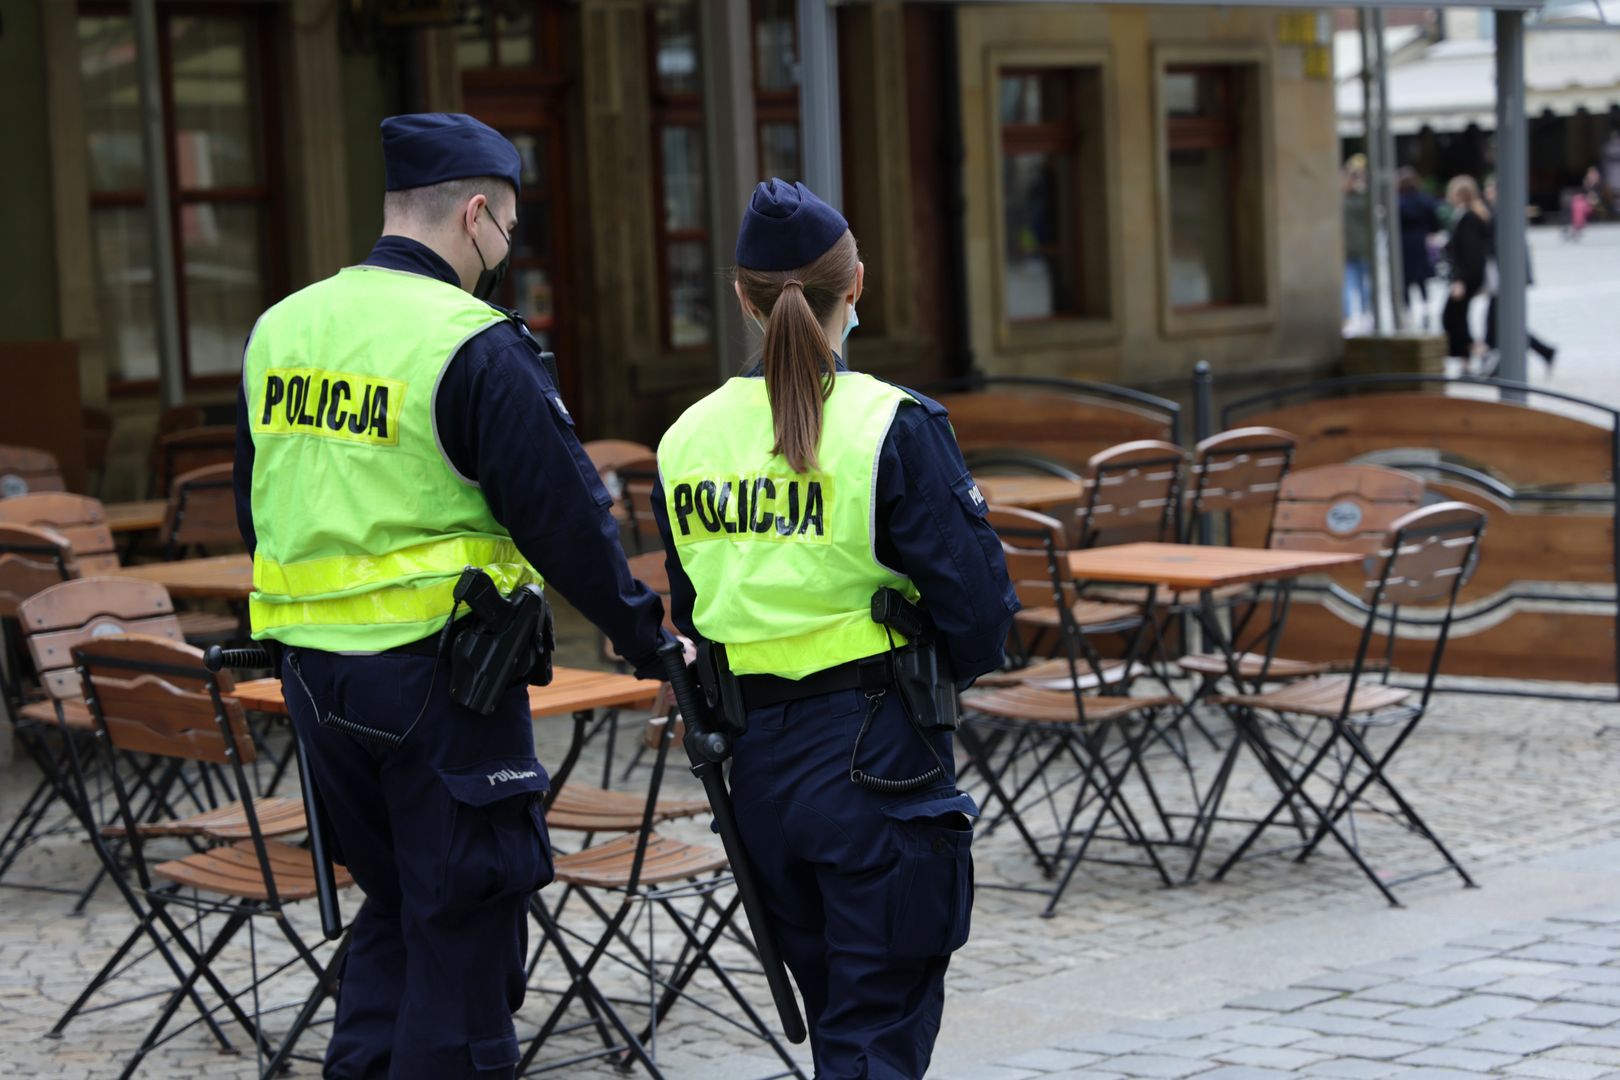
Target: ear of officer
<point>497,416</point>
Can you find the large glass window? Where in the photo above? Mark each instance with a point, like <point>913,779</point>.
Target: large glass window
<point>776,88</point>
<point>682,175</point>
<point>222,197</point>
<point>1042,192</point>
<point>1211,210</point>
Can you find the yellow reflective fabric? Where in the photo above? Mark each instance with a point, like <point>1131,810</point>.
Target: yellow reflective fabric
<point>343,575</point>
<point>363,526</point>
<point>801,600</point>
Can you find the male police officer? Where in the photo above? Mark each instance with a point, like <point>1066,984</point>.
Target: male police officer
<point>394,428</point>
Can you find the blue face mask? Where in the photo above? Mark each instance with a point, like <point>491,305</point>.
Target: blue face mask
<point>854,321</point>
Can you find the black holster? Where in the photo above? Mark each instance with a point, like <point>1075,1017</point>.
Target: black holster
<point>505,641</point>
<point>721,690</point>
<point>922,672</point>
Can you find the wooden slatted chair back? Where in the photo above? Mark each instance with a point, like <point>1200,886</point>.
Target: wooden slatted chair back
<point>1431,553</point>
<point>1130,494</point>
<point>636,480</point>
<point>1034,546</point>
<point>201,511</point>
<point>154,696</point>
<point>31,560</point>
<point>79,518</point>
<point>64,616</point>
<point>25,468</point>
<point>1342,507</point>
<point>1239,470</point>
<point>610,455</point>
<point>181,452</point>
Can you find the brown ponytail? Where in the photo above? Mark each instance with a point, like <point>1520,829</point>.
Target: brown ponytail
<point>798,365</point>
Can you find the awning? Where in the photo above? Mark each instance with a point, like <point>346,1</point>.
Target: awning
<point>1452,84</point>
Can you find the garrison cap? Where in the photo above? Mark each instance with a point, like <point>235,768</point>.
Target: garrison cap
<point>786,227</point>
<point>420,149</point>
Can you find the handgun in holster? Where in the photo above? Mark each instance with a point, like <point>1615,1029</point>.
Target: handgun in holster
<point>721,690</point>
<point>506,640</point>
<point>920,669</point>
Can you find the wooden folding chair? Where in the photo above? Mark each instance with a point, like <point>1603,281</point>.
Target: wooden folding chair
<point>643,872</point>
<point>1428,557</point>
<point>636,480</point>
<point>83,522</point>
<point>1236,471</point>
<point>181,451</point>
<point>1327,508</point>
<point>156,697</point>
<point>32,560</point>
<point>1037,731</point>
<point>24,469</point>
<point>609,456</point>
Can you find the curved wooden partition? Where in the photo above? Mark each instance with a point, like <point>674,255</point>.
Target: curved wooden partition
<point>1062,420</point>
<point>1543,602</point>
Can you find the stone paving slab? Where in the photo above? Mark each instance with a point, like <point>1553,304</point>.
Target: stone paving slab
<point>1280,969</point>
<point>1475,1033</point>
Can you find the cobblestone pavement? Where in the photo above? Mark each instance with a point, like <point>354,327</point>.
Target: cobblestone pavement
<point>1539,1000</point>
<point>1510,783</point>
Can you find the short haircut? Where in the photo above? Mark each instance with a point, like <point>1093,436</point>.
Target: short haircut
<point>436,202</point>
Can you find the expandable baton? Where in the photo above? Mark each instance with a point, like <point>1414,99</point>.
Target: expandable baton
<point>708,748</point>
<point>325,881</point>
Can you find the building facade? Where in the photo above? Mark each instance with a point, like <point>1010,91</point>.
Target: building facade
<point>1099,192</point>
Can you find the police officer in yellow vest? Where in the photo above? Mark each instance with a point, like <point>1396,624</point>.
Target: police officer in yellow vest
<point>788,498</point>
<point>395,428</point>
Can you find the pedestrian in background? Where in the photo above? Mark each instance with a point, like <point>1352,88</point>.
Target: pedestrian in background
<point>1468,252</point>
<point>1420,219</point>
<point>1541,348</point>
<point>1358,298</point>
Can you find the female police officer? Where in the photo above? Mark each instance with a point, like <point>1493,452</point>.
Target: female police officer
<point>788,497</point>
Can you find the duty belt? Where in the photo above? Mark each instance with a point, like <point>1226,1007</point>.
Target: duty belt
<point>870,675</point>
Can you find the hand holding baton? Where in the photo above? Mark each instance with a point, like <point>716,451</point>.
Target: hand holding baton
<point>325,881</point>
<point>708,748</point>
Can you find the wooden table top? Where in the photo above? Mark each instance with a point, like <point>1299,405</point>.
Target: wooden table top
<point>127,517</point>
<point>571,690</point>
<point>1028,492</point>
<point>1194,567</point>
<point>222,577</point>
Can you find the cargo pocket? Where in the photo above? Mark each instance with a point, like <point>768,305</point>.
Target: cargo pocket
<point>498,844</point>
<point>933,880</point>
<point>496,1054</point>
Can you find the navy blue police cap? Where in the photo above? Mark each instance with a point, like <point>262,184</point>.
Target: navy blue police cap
<point>429,148</point>
<point>786,227</point>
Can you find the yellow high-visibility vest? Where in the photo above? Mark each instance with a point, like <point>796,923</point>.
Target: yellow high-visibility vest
<point>363,524</point>
<point>783,563</point>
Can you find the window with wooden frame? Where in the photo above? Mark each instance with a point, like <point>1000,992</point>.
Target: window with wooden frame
<point>776,88</point>
<point>1046,118</point>
<point>225,201</point>
<point>496,34</point>
<point>681,171</point>
<point>1211,128</point>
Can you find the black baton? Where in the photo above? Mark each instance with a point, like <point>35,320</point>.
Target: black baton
<point>707,749</point>
<point>325,881</point>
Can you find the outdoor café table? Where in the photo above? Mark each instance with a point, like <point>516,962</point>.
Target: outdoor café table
<point>131,517</point>
<point>221,577</point>
<point>576,691</point>
<point>1028,492</point>
<point>1185,568</point>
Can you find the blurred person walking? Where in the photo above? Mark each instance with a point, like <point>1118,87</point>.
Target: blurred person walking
<point>1358,298</point>
<point>1420,220</point>
<point>1468,253</point>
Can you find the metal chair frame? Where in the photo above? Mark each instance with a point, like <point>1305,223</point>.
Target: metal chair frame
<point>1430,556</point>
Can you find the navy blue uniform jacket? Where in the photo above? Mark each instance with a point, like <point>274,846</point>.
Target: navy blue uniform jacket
<point>503,424</point>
